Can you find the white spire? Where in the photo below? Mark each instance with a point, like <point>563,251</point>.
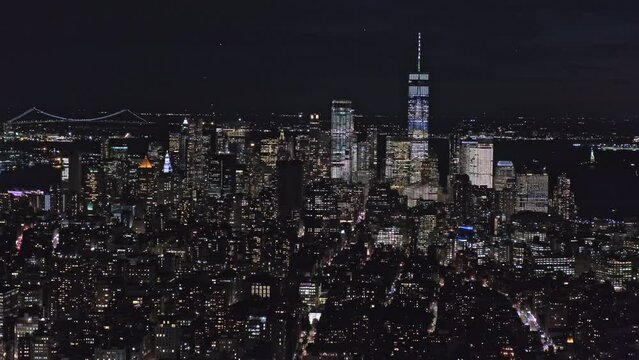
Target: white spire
<point>419,52</point>
<point>167,168</point>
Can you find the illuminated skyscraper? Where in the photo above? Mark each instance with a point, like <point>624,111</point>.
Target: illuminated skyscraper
<point>398,162</point>
<point>362,169</point>
<point>342,139</point>
<point>175,141</point>
<point>71,175</point>
<point>476,161</point>
<point>268,151</point>
<point>91,187</point>
<point>320,208</point>
<point>418,94</point>
<point>563,199</point>
<point>313,150</point>
<point>616,269</point>
<point>168,184</point>
<point>196,146</point>
<point>532,192</point>
<point>504,172</point>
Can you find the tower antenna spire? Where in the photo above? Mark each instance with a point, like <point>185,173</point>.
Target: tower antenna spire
<point>419,51</point>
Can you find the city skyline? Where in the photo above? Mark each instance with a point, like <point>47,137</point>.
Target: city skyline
<point>324,231</point>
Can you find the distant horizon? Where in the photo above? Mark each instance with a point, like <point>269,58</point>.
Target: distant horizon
<point>531,57</point>
<point>65,112</point>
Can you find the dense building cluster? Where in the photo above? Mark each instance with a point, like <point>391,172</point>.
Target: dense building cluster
<point>334,239</point>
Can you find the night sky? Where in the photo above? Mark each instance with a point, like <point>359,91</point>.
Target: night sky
<point>495,57</point>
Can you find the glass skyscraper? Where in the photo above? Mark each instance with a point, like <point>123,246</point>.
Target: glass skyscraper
<point>476,161</point>
<point>418,94</point>
<point>342,139</point>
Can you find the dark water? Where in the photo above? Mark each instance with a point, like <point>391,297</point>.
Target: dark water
<point>609,189</point>
<point>37,177</point>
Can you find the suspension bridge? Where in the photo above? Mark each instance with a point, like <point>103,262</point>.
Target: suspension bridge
<point>35,116</point>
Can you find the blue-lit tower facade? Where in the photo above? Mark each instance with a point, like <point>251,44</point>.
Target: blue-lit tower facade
<point>342,139</point>
<point>418,96</point>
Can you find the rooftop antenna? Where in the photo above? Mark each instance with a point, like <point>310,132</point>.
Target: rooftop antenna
<point>419,51</point>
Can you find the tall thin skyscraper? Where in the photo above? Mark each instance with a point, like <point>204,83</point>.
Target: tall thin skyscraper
<point>168,185</point>
<point>195,150</point>
<point>563,199</point>
<point>418,94</point>
<point>147,191</point>
<point>398,162</point>
<point>342,139</point>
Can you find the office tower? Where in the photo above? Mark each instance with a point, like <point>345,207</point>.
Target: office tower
<point>113,170</point>
<point>24,327</point>
<point>222,176</point>
<point>454,144</point>
<point>8,308</point>
<point>168,184</point>
<point>118,150</point>
<point>289,188</point>
<point>616,269</point>
<point>92,188</point>
<point>426,223</point>
<point>168,335</point>
<point>342,139</point>
<point>427,189</point>
<point>285,148</point>
<point>381,203</point>
<point>548,264</point>
<point>476,161</point>
<point>268,151</point>
<point>318,159</point>
<point>320,208</point>
<point>418,94</point>
<point>350,201</point>
<point>563,199</point>
<point>71,175</point>
<point>313,150</point>
<point>390,235</point>
<point>362,171</point>
<point>222,141</point>
<point>461,197</point>
<point>231,140</point>
<point>323,157</point>
<point>302,150</point>
<point>70,282</point>
<point>507,198</point>
<point>194,149</point>
<point>146,181</point>
<point>147,191</point>
<point>532,192</point>
<point>182,158</point>
<point>314,123</point>
<point>504,172</point>
<point>175,139</point>
<point>40,345</point>
<point>398,162</point>
<point>372,135</point>
<point>68,197</point>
